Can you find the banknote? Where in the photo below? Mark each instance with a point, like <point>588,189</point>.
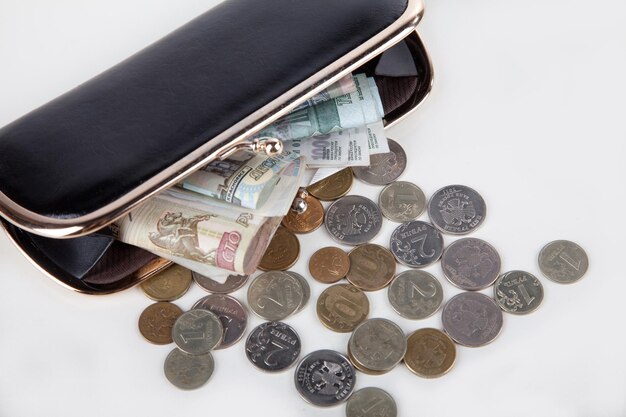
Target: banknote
<point>244,179</point>
<point>344,86</point>
<point>344,148</point>
<point>377,139</point>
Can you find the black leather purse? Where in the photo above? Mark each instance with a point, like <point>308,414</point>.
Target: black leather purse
<point>76,164</point>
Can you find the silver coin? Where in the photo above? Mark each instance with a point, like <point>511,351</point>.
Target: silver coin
<point>402,201</point>
<point>472,319</point>
<point>231,313</point>
<point>377,344</point>
<point>471,264</point>
<point>563,261</point>
<point>197,332</point>
<point>273,346</point>
<point>306,289</point>
<point>187,371</point>
<point>518,292</point>
<point>275,295</point>
<point>415,294</point>
<point>353,220</point>
<point>325,378</point>
<point>371,402</point>
<point>232,283</point>
<point>384,168</point>
<point>416,244</point>
<point>456,209</point>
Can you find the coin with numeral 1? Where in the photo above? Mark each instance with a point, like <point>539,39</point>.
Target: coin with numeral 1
<point>402,201</point>
<point>197,332</point>
<point>231,313</point>
<point>273,346</point>
<point>371,402</point>
<point>563,261</point>
<point>416,244</point>
<point>518,292</point>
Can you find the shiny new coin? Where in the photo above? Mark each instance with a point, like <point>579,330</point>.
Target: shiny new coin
<point>273,346</point>
<point>353,220</point>
<point>563,261</point>
<point>282,252</point>
<point>384,168</point>
<point>168,285</point>
<point>402,201</point>
<point>197,332</point>
<point>415,294</point>
<point>307,221</point>
<point>157,320</point>
<point>456,209</point>
<point>333,187</point>
<point>430,353</point>
<point>329,264</point>
<point>342,307</point>
<point>377,344</point>
<point>275,295</point>
<point>325,378</point>
<point>518,292</point>
<point>306,289</point>
<point>231,313</point>
<point>372,267</point>
<point>416,244</point>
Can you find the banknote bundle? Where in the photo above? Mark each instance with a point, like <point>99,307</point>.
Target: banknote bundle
<point>220,219</point>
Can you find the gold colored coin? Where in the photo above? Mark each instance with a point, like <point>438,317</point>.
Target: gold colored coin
<point>329,264</point>
<point>342,307</point>
<point>430,353</point>
<point>372,267</point>
<point>282,252</point>
<point>309,220</point>
<point>168,285</point>
<point>333,187</point>
<point>157,320</point>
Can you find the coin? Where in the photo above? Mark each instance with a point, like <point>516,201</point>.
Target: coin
<point>378,344</point>
<point>341,307</point>
<point>333,187</point>
<point>157,320</point>
<point>168,285</point>
<point>456,209</point>
<point>371,267</point>
<point>187,371</point>
<point>430,353</point>
<point>307,221</point>
<point>232,283</point>
<point>306,289</point>
<point>371,402</point>
<point>197,332</point>
<point>274,295</point>
<point>471,264</point>
<point>353,220</point>
<point>518,292</point>
<point>415,294</point>
<point>563,261</point>
<point>472,319</point>
<point>360,367</point>
<point>384,168</point>
<point>416,244</point>
<point>325,378</point>
<point>402,201</point>
<point>329,264</point>
<point>282,252</point>
<point>231,313</point>
<point>273,346</point>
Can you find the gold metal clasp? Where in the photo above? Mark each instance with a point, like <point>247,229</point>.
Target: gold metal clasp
<point>271,147</point>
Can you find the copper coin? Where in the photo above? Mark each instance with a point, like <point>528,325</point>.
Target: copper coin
<point>342,307</point>
<point>430,353</point>
<point>333,187</point>
<point>372,267</point>
<point>282,252</point>
<point>157,320</point>
<point>168,285</point>
<point>307,221</point>
<point>329,264</point>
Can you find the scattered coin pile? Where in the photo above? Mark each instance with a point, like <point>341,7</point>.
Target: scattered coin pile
<point>375,345</point>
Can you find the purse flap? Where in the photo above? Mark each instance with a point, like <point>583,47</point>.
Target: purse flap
<point>88,157</point>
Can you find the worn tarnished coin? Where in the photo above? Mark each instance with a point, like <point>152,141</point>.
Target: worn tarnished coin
<point>353,220</point>
<point>325,378</point>
<point>402,201</point>
<point>187,371</point>
<point>341,307</point>
<point>231,313</point>
<point>371,402</point>
<point>157,320</point>
<point>415,294</point>
<point>416,244</point>
<point>360,367</point>
<point>329,264</point>
<point>518,292</point>
<point>168,285</point>
<point>430,353</point>
<point>306,289</point>
<point>384,168</point>
<point>471,264</point>
<point>197,331</point>
<point>232,283</point>
<point>273,346</point>
<point>378,344</point>
<point>275,295</point>
<point>456,209</point>
<point>282,252</point>
<point>333,187</point>
<point>563,261</point>
<point>472,319</point>
<point>372,267</point>
<point>307,221</point>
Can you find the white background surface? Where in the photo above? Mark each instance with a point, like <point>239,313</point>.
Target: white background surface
<point>527,108</point>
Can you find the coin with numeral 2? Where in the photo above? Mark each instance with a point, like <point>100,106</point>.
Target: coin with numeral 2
<point>416,244</point>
